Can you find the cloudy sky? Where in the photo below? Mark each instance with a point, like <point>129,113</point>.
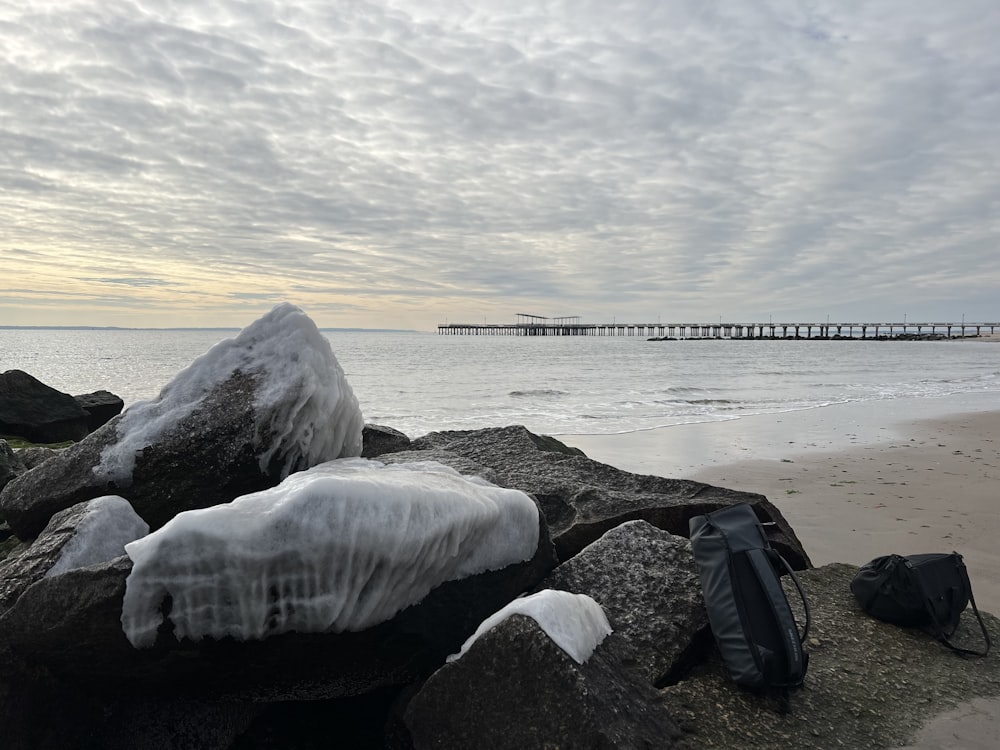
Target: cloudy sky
<point>410,162</point>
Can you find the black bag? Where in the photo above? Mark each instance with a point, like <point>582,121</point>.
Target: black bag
<point>750,616</point>
<point>919,591</point>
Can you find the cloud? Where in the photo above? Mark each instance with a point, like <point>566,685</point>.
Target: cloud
<point>422,160</point>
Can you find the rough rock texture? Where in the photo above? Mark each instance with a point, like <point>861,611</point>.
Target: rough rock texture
<point>37,412</point>
<point>869,684</point>
<point>582,498</point>
<point>647,582</point>
<point>378,439</point>
<point>460,464</point>
<point>208,457</point>
<point>11,464</point>
<point>30,563</point>
<point>33,455</point>
<point>516,689</point>
<point>101,407</point>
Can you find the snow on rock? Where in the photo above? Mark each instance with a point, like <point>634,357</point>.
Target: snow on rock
<point>107,525</point>
<point>308,412</point>
<point>341,546</point>
<point>574,622</point>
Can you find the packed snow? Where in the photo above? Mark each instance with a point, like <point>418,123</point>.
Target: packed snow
<point>108,524</point>
<point>306,409</point>
<point>342,546</point>
<point>575,622</point>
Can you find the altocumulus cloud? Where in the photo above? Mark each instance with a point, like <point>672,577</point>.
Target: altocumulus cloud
<point>399,162</point>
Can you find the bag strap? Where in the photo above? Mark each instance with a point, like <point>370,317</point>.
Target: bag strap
<point>761,564</point>
<point>777,558</point>
<point>938,629</point>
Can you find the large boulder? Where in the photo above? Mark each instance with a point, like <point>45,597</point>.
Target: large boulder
<point>37,412</point>
<point>647,582</point>
<point>100,406</point>
<point>243,416</point>
<point>515,688</point>
<point>582,498</point>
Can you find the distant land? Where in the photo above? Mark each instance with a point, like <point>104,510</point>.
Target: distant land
<point>209,328</point>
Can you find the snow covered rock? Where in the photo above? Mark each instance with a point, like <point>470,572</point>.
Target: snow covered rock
<point>515,688</point>
<point>244,415</point>
<point>343,546</point>
<point>574,622</point>
<point>88,533</point>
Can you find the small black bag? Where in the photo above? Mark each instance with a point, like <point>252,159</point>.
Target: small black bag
<point>919,591</point>
<point>750,617</point>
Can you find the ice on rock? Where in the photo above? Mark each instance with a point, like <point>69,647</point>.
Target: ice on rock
<point>575,622</point>
<point>109,523</point>
<point>306,407</point>
<point>341,546</point>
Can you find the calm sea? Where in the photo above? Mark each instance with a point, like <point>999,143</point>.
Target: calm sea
<point>421,382</point>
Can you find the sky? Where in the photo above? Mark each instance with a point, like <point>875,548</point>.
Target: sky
<point>407,163</point>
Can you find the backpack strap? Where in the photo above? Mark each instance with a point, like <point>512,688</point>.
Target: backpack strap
<point>939,630</point>
<point>761,564</point>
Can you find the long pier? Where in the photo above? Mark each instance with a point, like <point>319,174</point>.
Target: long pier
<point>720,330</point>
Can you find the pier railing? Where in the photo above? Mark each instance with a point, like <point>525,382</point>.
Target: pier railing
<point>726,330</point>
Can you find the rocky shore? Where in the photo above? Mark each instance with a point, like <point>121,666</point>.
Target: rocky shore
<point>71,676</point>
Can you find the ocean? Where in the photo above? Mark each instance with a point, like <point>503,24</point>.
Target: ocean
<point>422,382</point>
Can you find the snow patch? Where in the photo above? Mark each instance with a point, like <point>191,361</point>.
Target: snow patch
<point>575,622</point>
<point>108,524</point>
<point>342,546</point>
<point>306,409</point>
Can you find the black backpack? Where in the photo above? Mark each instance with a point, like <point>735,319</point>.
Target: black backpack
<point>749,614</point>
<point>928,591</point>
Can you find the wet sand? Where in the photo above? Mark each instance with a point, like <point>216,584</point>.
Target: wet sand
<point>855,481</point>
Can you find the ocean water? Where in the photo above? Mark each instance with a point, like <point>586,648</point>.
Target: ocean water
<point>422,382</point>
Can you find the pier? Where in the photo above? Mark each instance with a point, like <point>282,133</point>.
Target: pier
<point>536,325</point>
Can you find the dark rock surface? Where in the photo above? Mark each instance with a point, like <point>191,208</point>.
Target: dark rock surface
<point>516,689</point>
<point>378,439</point>
<point>582,498</point>
<point>101,407</point>
<point>647,582</point>
<point>11,464</point>
<point>36,412</point>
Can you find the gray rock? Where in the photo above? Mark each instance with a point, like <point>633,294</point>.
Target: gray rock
<point>33,455</point>
<point>37,412</point>
<point>11,464</point>
<point>460,464</point>
<point>514,688</point>
<point>60,546</point>
<point>378,439</point>
<point>647,582</point>
<point>582,498</point>
<point>100,406</point>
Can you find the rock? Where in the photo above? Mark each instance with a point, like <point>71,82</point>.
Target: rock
<point>100,406</point>
<point>647,582</point>
<point>70,625</point>
<point>582,498</point>
<point>32,455</point>
<point>459,463</point>
<point>869,684</point>
<point>247,413</point>
<point>515,688</point>
<point>88,533</point>
<point>378,439</point>
<point>37,412</point>
<point>11,464</point>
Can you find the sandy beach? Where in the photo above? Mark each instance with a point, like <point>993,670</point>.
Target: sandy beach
<point>854,480</point>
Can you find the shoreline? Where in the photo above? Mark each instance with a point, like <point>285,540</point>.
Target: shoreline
<point>855,481</point>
